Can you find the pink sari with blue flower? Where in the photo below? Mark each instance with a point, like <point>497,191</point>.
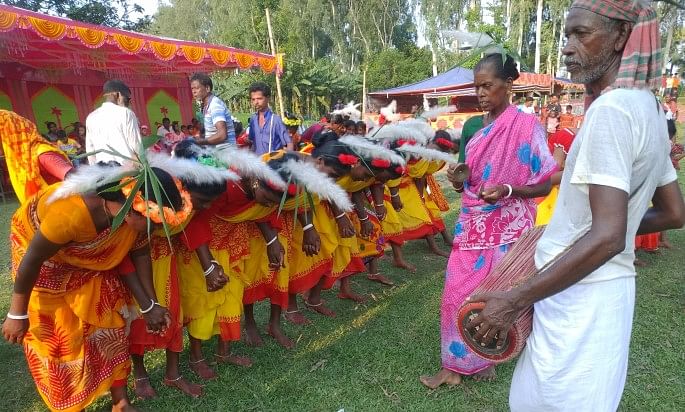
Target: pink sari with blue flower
<point>512,150</point>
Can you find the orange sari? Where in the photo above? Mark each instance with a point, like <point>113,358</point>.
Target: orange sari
<point>76,346</point>
<point>22,145</point>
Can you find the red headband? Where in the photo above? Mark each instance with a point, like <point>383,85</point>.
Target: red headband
<point>380,163</point>
<point>444,143</point>
<point>347,159</point>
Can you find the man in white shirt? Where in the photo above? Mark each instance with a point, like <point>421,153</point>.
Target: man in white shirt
<point>113,126</point>
<point>528,107</point>
<point>217,119</point>
<point>576,357</point>
<point>165,128</point>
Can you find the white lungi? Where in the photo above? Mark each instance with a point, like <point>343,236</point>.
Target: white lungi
<point>576,357</point>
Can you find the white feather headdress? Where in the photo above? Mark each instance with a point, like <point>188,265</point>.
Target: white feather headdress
<point>87,178</point>
<point>247,164</point>
<point>426,153</point>
<point>437,111</point>
<point>390,112</point>
<point>390,133</point>
<point>315,182</point>
<point>351,111</point>
<point>421,126</point>
<point>369,150</point>
<point>191,170</point>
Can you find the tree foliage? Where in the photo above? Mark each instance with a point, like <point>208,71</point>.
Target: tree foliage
<point>112,13</point>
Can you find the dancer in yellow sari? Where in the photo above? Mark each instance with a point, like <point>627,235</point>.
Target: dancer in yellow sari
<point>70,305</point>
<point>33,163</point>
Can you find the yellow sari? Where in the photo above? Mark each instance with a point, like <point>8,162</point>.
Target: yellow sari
<point>233,239</point>
<point>76,346</point>
<point>22,144</point>
<point>415,218</point>
<point>432,195</point>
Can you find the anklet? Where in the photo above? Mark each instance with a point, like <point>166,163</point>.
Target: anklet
<point>174,380</point>
<point>143,379</point>
<point>196,362</point>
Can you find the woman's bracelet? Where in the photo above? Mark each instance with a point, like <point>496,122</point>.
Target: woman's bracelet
<point>17,317</point>
<point>395,195</point>
<point>210,269</point>
<point>511,190</point>
<point>271,242</point>
<point>340,215</point>
<point>307,227</point>
<point>381,205</point>
<point>152,305</point>
<point>364,219</point>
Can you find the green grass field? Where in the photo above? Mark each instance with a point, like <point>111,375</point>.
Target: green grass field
<point>370,357</point>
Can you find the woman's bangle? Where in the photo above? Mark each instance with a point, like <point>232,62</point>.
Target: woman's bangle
<point>511,190</point>
<point>210,269</point>
<point>307,227</point>
<point>152,305</point>
<point>340,215</point>
<point>395,195</point>
<point>215,262</point>
<point>381,205</point>
<point>17,317</point>
<point>271,242</point>
<point>364,219</point>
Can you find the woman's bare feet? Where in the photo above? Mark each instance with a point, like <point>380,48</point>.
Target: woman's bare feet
<point>377,277</point>
<point>242,361</point>
<point>202,370</point>
<point>486,375</point>
<point>191,389</point>
<point>444,377</point>
<point>296,317</point>
<point>351,296</point>
<point>123,406</point>
<point>276,333</point>
<point>143,389</point>
<point>252,334</point>
<point>320,308</point>
<point>437,251</point>
<point>404,265</point>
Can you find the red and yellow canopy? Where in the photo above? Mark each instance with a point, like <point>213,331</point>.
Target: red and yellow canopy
<point>53,43</point>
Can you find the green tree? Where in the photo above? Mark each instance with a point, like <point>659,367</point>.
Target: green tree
<point>113,13</point>
<point>392,68</point>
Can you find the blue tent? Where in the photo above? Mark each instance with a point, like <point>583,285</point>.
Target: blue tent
<point>455,78</point>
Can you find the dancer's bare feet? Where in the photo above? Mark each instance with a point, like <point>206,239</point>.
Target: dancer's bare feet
<point>143,389</point>
<point>191,389</point>
<point>437,251</point>
<point>277,333</point>
<point>665,244</point>
<point>486,375</point>
<point>351,296</point>
<point>242,361</point>
<point>296,317</point>
<point>444,377</point>
<point>404,265</point>
<point>252,334</point>
<point>202,370</point>
<point>320,308</point>
<point>123,406</point>
<point>377,277</point>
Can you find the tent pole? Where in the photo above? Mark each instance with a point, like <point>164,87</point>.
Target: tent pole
<point>281,109</point>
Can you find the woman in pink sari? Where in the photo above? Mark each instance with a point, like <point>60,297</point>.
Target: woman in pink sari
<point>510,165</point>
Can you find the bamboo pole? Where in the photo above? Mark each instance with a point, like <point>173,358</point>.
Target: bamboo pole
<point>281,108</point>
<point>364,95</point>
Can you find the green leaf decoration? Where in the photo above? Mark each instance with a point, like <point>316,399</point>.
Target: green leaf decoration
<point>149,141</point>
<point>297,205</point>
<point>310,200</point>
<point>157,191</point>
<point>119,218</point>
<point>285,195</point>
